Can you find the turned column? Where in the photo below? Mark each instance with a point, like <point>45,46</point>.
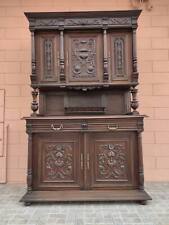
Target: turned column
<point>61,58</point>
<point>141,170</point>
<point>29,169</point>
<point>34,104</point>
<point>134,56</point>
<point>105,60</point>
<point>33,60</point>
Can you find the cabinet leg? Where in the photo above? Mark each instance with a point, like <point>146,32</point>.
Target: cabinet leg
<point>27,203</point>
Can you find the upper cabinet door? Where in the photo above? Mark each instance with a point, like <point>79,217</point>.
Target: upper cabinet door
<point>47,56</point>
<point>84,57</point>
<point>120,56</point>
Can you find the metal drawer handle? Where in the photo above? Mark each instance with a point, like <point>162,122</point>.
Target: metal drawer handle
<point>113,127</point>
<point>56,128</point>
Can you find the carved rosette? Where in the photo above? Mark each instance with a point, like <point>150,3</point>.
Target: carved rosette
<point>58,159</point>
<point>112,162</point>
<point>83,58</point>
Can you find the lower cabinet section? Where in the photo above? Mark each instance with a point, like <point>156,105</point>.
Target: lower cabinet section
<point>113,157</point>
<point>85,160</point>
<point>69,163</point>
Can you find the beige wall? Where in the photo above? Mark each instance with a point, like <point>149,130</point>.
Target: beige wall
<point>15,68</point>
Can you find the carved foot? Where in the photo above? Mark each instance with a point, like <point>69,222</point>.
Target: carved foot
<point>143,202</point>
<point>27,203</point>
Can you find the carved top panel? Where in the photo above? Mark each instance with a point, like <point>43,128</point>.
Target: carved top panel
<point>97,19</point>
<point>84,53</point>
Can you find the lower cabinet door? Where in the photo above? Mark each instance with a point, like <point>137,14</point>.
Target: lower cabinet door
<point>112,160</point>
<point>57,162</point>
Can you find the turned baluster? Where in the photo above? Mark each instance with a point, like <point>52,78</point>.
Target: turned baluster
<point>105,62</point>
<point>62,60</point>
<point>134,102</point>
<point>134,57</point>
<point>34,105</point>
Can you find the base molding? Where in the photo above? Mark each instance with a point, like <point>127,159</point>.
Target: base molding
<point>78,195</point>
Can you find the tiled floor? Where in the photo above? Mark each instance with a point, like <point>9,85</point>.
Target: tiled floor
<point>13,212</point>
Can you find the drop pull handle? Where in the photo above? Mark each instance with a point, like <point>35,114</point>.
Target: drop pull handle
<point>112,127</point>
<point>56,128</point>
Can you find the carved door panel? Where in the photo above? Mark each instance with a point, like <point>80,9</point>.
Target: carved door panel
<point>120,55</point>
<point>47,56</point>
<point>84,58</point>
<point>112,158</point>
<point>57,161</point>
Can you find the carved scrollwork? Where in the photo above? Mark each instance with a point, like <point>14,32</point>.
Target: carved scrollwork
<point>71,22</point>
<point>58,162</point>
<point>112,161</point>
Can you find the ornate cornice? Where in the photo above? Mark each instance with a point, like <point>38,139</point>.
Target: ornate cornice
<point>83,20</point>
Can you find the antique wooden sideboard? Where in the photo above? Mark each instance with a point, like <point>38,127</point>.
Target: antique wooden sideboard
<point>84,135</point>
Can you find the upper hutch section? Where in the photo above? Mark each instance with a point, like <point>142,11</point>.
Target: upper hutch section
<point>84,49</point>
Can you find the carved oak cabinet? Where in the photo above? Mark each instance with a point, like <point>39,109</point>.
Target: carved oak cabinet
<point>84,135</point>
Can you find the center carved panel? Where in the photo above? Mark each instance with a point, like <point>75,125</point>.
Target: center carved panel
<point>83,58</point>
<point>111,162</point>
<point>58,162</point>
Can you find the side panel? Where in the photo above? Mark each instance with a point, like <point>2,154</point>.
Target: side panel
<point>120,52</point>
<point>47,56</point>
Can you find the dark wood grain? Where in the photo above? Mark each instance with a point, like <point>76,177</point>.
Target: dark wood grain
<point>85,143</point>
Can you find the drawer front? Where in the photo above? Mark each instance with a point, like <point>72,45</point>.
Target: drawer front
<point>85,125</point>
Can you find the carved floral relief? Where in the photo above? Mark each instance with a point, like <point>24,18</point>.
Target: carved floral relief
<point>111,161</point>
<point>58,160</point>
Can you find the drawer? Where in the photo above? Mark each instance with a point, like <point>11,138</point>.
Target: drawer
<point>85,125</point>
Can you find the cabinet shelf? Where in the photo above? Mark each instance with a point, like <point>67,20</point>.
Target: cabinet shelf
<point>83,87</point>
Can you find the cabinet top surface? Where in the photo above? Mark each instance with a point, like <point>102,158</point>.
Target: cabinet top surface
<point>84,117</point>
